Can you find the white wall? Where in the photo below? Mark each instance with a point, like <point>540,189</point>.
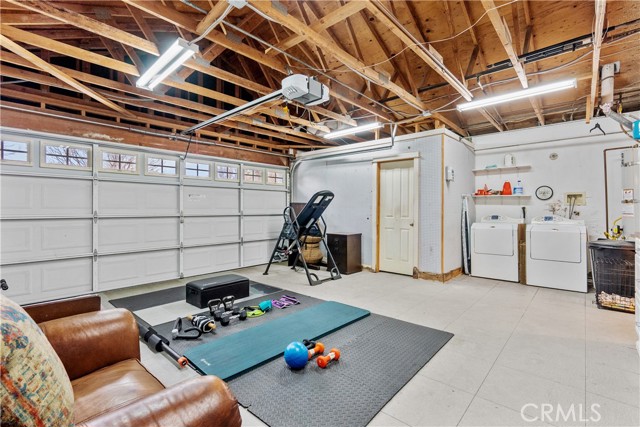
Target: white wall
<point>578,168</point>
<point>351,177</point>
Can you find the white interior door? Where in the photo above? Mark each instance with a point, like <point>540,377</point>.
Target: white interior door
<point>397,217</point>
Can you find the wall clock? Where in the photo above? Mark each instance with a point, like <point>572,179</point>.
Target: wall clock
<point>544,192</point>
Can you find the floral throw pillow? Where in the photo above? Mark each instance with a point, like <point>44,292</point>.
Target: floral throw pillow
<point>35,389</point>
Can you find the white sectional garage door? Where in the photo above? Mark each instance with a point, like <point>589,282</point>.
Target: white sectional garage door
<point>69,231</point>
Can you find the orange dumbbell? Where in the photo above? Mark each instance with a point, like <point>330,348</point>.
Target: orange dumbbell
<point>317,349</point>
<point>323,361</point>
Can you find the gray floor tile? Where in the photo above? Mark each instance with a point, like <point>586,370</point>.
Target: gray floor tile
<point>461,371</point>
<point>385,420</point>
<point>560,360</point>
<point>615,384</point>
<point>425,402</point>
<point>484,413</point>
<point>610,413</point>
<point>521,391</point>
<point>514,345</point>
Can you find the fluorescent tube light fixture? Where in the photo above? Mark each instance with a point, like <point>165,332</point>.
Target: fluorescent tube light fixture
<point>166,64</point>
<point>526,93</point>
<point>354,130</point>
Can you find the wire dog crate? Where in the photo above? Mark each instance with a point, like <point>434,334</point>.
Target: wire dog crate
<point>613,266</point>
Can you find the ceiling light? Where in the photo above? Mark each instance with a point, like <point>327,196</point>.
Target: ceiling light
<point>526,93</point>
<point>174,57</point>
<point>354,130</point>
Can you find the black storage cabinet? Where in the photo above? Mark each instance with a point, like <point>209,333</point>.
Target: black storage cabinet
<point>199,292</point>
<point>346,248</point>
<point>613,267</point>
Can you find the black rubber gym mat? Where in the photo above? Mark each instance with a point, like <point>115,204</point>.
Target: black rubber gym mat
<point>379,355</point>
<point>169,295</point>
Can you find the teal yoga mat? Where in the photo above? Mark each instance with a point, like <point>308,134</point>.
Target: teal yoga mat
<point>235,354</point>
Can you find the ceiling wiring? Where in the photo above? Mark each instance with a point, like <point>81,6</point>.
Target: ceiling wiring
<point>213,25</point>
<point>310,67</point>
<point>443,39</point>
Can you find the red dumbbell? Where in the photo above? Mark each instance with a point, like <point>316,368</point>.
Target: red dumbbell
<point>323,361</point>
<point>317,349</point>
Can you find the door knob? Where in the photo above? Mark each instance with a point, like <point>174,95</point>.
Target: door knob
<point>411,224</point>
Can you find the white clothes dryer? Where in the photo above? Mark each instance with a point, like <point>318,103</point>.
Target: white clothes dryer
<point>557,253</point>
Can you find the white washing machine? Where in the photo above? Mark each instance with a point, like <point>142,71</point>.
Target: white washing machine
<point>494,248</point>
<point>557,253</point>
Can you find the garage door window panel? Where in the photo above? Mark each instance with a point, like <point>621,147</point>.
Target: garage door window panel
<point>119,162</point>
<point>66,156</point>
<point>275,177</point>
<point>197,170</point>
<point>226,172</point>
<point>253,176</point>
<point>162,166</point>
<point>15,152</point>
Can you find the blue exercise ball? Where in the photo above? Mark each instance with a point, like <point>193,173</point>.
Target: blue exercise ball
<point>296,355</point>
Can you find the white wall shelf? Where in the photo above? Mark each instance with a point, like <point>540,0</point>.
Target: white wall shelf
<point>506,169</point>
<point>500,196</point>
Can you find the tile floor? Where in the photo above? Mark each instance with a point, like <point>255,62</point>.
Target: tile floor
<point>521,356</point>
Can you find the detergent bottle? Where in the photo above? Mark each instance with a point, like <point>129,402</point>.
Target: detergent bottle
<point>518,188</point>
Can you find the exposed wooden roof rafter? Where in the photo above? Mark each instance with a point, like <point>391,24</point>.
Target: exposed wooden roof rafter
<point>54,71</point>
<point>81,21</point>
<point>600,10</point>
<point>331,48</point>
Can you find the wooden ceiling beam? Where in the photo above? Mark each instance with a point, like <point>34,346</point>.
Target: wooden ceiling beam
<point>71,103</point>
<point>116,51</point>
<point>63,34</point>
<point>412,20</point>
<point>185,22</point>
<point>77,104</point>
<point>483,62</point>
<point>329,20</point>
<point>176,18</point>
<point>331,48</point>
<point>454,42</point>
<point>305,18</point>
<point>600,11</point>
<point>382,45</point>
<point>216,12</point>
<point>197,65</point>
<point>73,18</point>
<point>377,10</point>
<point>502,30</point>
<point>29,19</point>
<point>68,50</point>
<point>94,9</point>
<point>529,44</point>
<point>45,23</point>
<point>129,69</point>
<point>67,124</point>
<point>191,105</point>
<point>214,50</point>
<point>45,66</point>
<point>137,16</point>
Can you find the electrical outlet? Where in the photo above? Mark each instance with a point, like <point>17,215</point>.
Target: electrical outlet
<point>575,199</point>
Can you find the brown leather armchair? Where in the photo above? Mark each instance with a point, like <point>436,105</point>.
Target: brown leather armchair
<point>100,351</point>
